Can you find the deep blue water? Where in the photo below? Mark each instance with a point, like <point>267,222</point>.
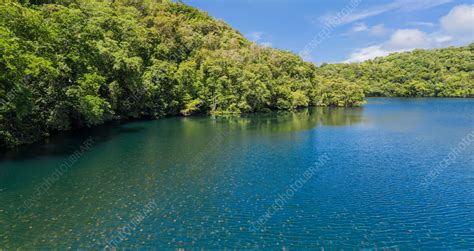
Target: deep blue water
<point>210,183</point>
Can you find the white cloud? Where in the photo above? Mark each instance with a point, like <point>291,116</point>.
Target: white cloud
<point>406,39</point>
<point>400,40</point>
<point>255,36</point>
<point>460,20</point>
<point>456,28</point>
<point>413,5</point>
<point>359,27</point>
<point>443,39</point>
<point>396,5</point>
<point>425,24</point>
<point>376,30</point>
<point>367,53</point>
<point>356,16</point>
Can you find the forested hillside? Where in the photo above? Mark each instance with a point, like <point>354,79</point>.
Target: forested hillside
<point>84,62</point>
<point>77,63</point>
<point>445,72</point>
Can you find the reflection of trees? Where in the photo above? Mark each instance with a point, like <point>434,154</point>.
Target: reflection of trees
<point>304,119</point>
<point>210,148</point>
<point>194,130</point>
<point>338,116</point>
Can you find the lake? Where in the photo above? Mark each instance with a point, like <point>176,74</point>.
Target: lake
<point>396,173</point>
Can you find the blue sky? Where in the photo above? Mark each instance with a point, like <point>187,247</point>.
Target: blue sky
<point>347,30</point>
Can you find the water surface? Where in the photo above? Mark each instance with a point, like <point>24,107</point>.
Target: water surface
<point>212,178</point>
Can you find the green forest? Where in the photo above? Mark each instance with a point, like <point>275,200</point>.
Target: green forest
<point>79,63</point>
<point>447,72</point>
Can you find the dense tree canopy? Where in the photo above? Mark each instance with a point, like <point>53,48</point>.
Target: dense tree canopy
<point>75,63</point>
<point>445,72</point>
<point>66,64</point>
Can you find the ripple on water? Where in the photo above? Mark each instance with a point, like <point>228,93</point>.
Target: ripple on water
<point>209,189</point>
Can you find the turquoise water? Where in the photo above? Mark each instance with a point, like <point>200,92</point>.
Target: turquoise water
<point>374,181</point>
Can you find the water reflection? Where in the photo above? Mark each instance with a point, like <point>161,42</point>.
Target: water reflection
<point>66,143</point>
<point>287,121</point>
<point>211,177</point>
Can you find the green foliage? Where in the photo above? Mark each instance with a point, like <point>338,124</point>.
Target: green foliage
<point>86,99</point>
<point>445,72</point>
<point>66,64</point>
<point>339,92</point>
